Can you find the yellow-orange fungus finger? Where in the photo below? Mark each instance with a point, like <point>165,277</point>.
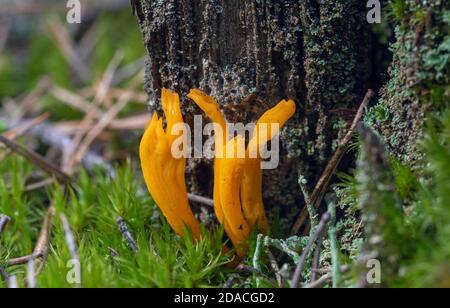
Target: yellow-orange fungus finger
<point>172,111</point>
<point>270,124</point>
<point>251,196</point>
<point>212,110</point>
<point>209,106</point>
<point>251,189</point>
<point>231,173</point>
<point>164,174</point>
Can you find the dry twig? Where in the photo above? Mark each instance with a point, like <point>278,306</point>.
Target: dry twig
<point>72,100</point>
<point>324,181</point>
<point>312,239</point>
<point>103,123</point>
<point>37,160</point>
<point>62,39</point>
<point>41,248</point>
<point>316,260</point>
<point>28,104</point>
<point>75,153</point>
<point>325,279</point>
<point>201,200</point>
<point>25,127</point>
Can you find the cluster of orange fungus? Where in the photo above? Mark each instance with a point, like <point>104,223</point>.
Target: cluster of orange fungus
<point>238,200</point>
<point>164,174</point>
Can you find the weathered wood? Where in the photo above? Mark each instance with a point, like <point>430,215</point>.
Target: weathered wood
<point>249,55</point>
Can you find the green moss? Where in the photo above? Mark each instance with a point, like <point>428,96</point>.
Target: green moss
<point>397,10</point>
<point>419,78</point>
<point>164,260</point>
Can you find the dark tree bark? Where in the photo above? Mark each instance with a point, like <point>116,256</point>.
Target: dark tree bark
<point>249,55</point>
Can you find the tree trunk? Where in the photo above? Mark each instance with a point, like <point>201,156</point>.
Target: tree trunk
<point>251,54</point>
<point>420,75</point>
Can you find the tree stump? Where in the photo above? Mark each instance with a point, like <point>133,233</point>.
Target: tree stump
<point>251,54</point>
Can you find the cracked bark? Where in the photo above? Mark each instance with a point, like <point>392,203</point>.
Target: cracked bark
<point>251,54</point>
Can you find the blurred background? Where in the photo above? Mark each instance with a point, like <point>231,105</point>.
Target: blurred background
<point>76,88</point>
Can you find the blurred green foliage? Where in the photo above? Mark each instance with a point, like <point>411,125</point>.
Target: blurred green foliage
<point>164,259</point>
<point>39,56</point>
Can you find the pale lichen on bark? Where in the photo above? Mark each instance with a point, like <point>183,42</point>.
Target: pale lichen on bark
<point>419,78</point>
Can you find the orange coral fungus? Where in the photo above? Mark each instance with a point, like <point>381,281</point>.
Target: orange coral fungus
<point>231,173</point>
<point>164,174</point>
<point>238,200</point>
<point>212,110</point>
<point>266,129</point>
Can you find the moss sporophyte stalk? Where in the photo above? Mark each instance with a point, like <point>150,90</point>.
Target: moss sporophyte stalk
<point>238,200</point>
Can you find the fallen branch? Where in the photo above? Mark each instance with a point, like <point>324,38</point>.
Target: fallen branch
<point>127,234</point>
<point>72,100</point>
<point>82,144</point>
<point>324,181</point>
<point>320,282</point>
